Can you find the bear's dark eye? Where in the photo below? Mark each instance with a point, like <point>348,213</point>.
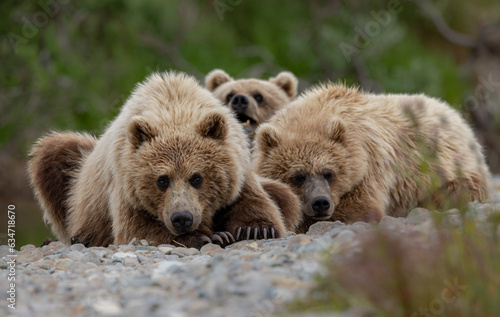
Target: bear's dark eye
<point>196,180</point>
<point>328,175</point>
<point>258,97</point>
<point>229,97</point>
<point>163,182</point>
<point>298,179</point>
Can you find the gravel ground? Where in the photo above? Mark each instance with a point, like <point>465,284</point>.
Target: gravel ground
<point>249,278</point>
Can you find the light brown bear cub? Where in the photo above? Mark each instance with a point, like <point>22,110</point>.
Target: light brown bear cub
<point>253,100</point>
<point>173,167</point>
<point>354,156</point>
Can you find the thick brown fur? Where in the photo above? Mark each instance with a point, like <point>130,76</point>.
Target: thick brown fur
<point>276,92</point>
<point>56,159</point>
<point>370,155</point>
<point>286,200</point>
<point>173,129</point>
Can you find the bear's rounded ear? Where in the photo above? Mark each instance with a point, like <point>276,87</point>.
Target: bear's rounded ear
<point>216,78</point>
<point>266,138</point>
<point>213,126</point>
<point>139,131</point>
<point>286,81</point>
<point>337,130</point>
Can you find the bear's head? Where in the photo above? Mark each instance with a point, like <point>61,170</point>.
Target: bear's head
<point>254,101</point>
<point>183,154</point>
<point>318,158</point>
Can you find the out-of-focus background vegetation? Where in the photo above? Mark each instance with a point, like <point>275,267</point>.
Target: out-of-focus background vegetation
<point>70,65</point>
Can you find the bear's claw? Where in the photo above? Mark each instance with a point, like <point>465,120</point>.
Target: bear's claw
<point>205,240</point>
<point>221,238</point>
<point>255,233</point>
<point>216,238</point>
<point>226,235</point>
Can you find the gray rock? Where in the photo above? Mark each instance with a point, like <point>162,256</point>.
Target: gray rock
<point>165,269</point>
<point>63,264</point>
<point>91,257</point>
<point>120,256</point>
<point>184,251</point>
<point>211,249</point>
<point>418,216</point>
<point>77,247</point>
<point>165,248</point>
<point>27,247</point>
<point>141,258</point>
<point>322,227</point>
<point>30,254</point>
<point>56,246</point>
<point>75,255</point>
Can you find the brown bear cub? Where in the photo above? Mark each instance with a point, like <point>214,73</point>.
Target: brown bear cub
<point>254,101</point>
<point>354,156</point>
<point>173,167</point>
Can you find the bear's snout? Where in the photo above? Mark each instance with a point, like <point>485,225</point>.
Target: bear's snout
<point>182,221</point>
<point>317,197</point>
<point>321,204</point>
<point>239,103</point>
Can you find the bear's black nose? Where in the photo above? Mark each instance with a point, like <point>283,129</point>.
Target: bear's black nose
<point>239,103</point>
<point>320,204</point>
<point>182,220</point>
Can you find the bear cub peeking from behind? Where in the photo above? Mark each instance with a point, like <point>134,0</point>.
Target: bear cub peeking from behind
<point>253,101</point>
<point>173,167</point>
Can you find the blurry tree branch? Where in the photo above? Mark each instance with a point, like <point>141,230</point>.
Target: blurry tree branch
<point>446,31</point>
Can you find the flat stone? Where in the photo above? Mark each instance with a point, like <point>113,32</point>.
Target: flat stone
<point>120,256</point>
<point>141,258</point>
<point>77,247</point>
<point>75,255</point>
<point>92,258</point>
<point>56,246</point>
<point>320,228</point>
<point>129,261</point>
<point>107,307</point>
<point>45,264</point>
<point>211,249</point>
<point>185,251</point>
<point>27,247</point>
<point>29,255</point>
<point>63,264</point>
<point>144,242</point>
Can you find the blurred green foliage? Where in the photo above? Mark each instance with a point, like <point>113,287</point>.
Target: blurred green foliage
<point>71,65</point>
